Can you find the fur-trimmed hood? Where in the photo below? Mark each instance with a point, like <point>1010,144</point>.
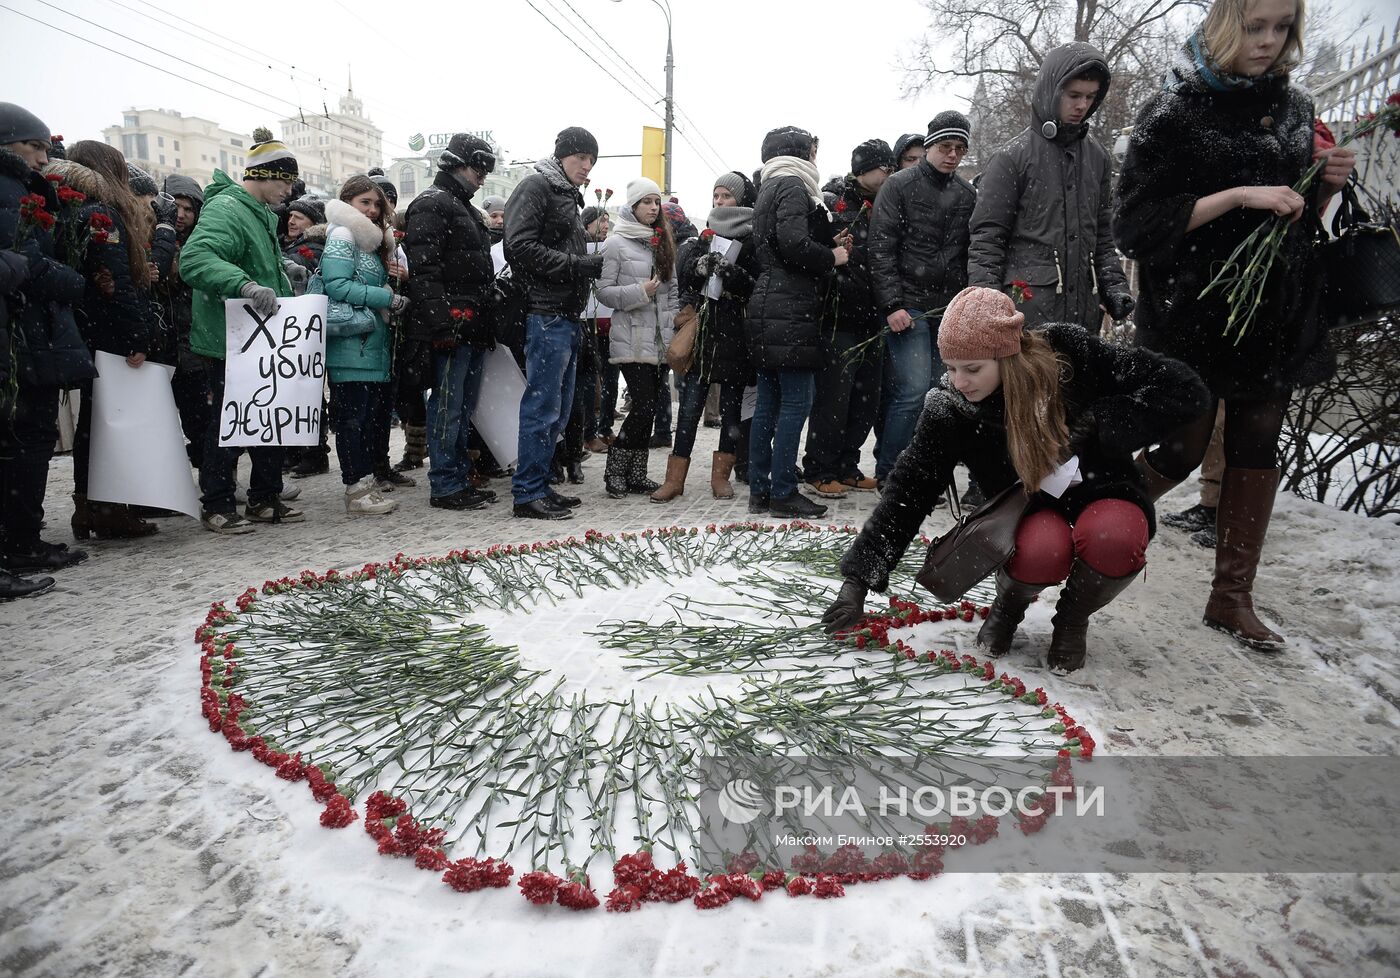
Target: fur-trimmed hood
<point>368,235</point>
<point>80,178</point>
<point>316,233</point>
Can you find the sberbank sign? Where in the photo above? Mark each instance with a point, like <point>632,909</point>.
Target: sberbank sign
<point>439,140</point>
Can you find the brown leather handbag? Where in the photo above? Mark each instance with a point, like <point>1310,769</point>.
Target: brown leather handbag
<point>680,352</point>
<point>978,543</point>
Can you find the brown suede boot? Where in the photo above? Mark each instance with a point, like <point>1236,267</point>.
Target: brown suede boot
<point>1084,593</point>
<point>1158,485</point>
<point>721,466</point>
<point>674,485</point>
<point>1241,520</point>
<point>116,521</point>
<point>1013,598</point>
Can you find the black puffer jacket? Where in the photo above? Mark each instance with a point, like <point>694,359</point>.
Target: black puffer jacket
<point>175,297</point>
<point>544,243</point>
<point>793,235</point>
<point>1045,207</point>
<point>723,355</point>
<point>919,239</point>
<point>854,310</point>
<point>449,258</point>
<point>1116,399</point>
<point>307,249</point>
<point>122,323</point>
<point>49,350</point>
<point>1190,142</point>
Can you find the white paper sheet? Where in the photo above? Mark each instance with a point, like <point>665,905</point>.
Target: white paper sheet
<point>1057,483</point>
<point>274,374</point>
<point>729,250</point>
<point>595,309</point>
<point>497,415</point>
<point>138,450</point>
<point>498,256</point>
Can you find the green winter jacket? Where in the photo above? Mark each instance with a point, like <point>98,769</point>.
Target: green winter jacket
<point>235,242</point>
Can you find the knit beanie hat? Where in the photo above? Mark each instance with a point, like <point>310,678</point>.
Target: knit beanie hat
<point>591,214</point>
<point>949,125</point>
<point>19,125</point>
<point>639,187</point>
<point>736,183</point>
<point>464,149</point>
<point>871,155</point>
<point>493,203</point>
<point>980,324</point>
<point>786,141</point>
<point>674,213</point>
<point>573,140</point>
<point>385,184</point>
<point>312,208</point>
<point>269,159</point>
<point>141,183</point>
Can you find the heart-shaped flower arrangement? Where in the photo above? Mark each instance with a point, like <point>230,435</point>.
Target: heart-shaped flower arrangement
<point>576,738</point>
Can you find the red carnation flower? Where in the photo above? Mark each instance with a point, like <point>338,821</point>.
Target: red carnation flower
<point>707,235</point>
<point>54,178</point>
<point>338,813</point>
<point>799,886</point>
<point>100,222</point>
<point>433,859</point>
<point>577,896</point>
<point>633,869</point>
<point>70,196</point>
<point>624,899</point>
<point>306,253</point>
<point>468,875</point>
<point>712,897</point>
<point>100,237</point>
<point>828,888</point>
<point>540,888</point>
<point>841,206</point>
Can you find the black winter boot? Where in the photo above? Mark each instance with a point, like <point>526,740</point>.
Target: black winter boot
<point>795,506</point>
<point>616,471</point>
<point>1008,610</point>
<point>1084,593</point>
<point>637,481</point>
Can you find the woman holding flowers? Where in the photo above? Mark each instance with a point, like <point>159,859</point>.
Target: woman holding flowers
<point>360,248</point>
<point>1034,406</point>
<point>1222,149</point>
<point>107,237</point>
<point>639,285</point>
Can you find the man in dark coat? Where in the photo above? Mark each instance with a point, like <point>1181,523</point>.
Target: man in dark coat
<point>451,289</point>
<point>908,150</point>
<point>544,245</point>
<point>918,262</point>
<point>190,385</point>
<point>48,352</point>
<point>848,386</point>
<point>1045,202</point>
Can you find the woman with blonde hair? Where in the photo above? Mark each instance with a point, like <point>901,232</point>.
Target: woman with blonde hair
<point>355,266</point>
<point>109,235</point>
<point>1212,157</point>
<point>1023,405</point>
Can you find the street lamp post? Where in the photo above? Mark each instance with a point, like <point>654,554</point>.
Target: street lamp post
<point>665,6</point>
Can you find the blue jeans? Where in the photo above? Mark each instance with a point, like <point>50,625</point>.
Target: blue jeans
<point>551,356</point>
<point>912,366</point>
<point>358,406</point>
<point>784,401</point>
<point>456,387</point>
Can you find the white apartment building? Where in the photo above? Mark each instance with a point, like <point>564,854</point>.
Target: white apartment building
<point>333,147</point>
<point>163,141</point>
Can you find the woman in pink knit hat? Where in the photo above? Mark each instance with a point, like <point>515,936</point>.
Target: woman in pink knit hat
<point>1062,412</point>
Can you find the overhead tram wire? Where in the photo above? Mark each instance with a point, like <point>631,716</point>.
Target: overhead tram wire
<point>263,58</point>
<point>166,71</point>
<point>645,104</point>
<point>610,50</point>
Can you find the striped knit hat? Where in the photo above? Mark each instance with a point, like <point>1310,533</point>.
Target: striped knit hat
<point>269,159</point>
<point>949,125</point>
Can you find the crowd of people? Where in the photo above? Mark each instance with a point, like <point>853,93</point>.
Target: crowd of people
<point>958,322</point>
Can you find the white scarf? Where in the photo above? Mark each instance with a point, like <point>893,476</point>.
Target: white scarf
<point>628,226</point>
<point>793,166</point>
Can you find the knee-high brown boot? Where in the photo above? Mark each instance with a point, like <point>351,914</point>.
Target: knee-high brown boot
<point>1241,521</point>
<point>1158,485</point>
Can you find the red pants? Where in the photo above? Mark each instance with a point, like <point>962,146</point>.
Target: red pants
<point>1110,536</point>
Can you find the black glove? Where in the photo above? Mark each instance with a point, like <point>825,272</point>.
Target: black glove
<point>166,211</point>
<point>1120,305</point>
<point>847,609</point>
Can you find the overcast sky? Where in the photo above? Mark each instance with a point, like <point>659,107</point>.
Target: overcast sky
<point>742,67</point>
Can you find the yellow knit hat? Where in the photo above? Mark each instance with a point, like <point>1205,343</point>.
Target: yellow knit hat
<point>269,159</point>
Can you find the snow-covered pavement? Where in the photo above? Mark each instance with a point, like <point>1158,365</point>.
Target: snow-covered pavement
<point>134,843</point>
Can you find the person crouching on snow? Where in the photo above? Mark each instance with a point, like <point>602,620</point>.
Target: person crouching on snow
<point>1017,404</point>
